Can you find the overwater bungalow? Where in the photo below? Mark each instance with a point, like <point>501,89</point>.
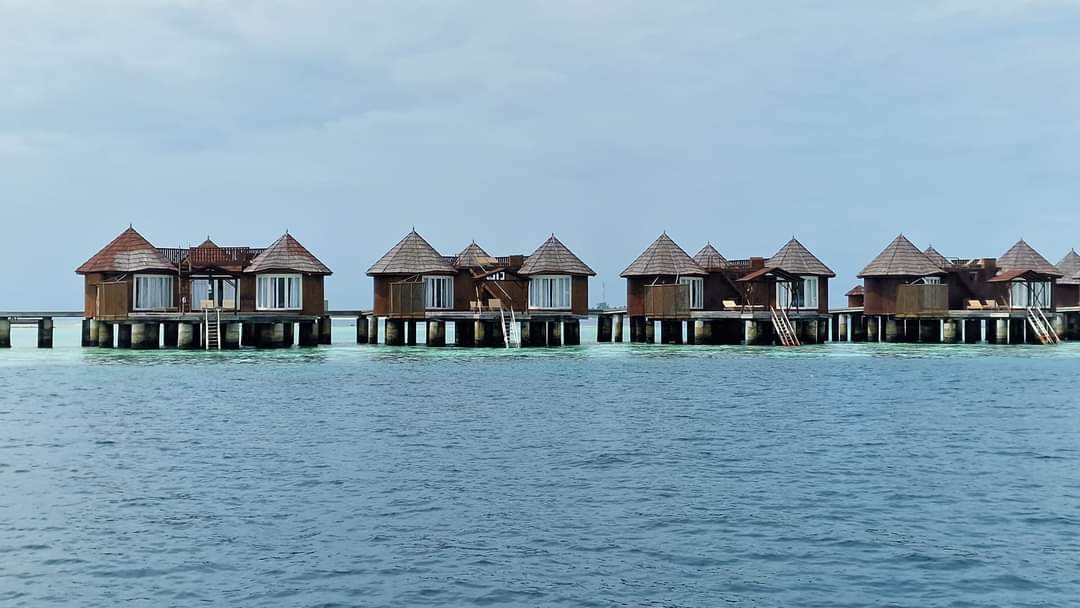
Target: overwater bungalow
<point>912,295</point>
<point>534,300</point>
<point>206,296</point>
<point>1067,288</point>
<point>782,299</point>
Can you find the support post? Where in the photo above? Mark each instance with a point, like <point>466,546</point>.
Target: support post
<point>751,332</point>
<point>87,337</point>
<point>248,334</point>
<point>230,336</point>
<point>618,328</point>
<point>373,329</point>
<point>603,328</point>
<point>637,329</point>
<point>572,333</point>
<point>650,331</point>
<point>554,333</point>
<point>123,335</point>
<point>395,332</point>
<point>842,328</point>
<point>171,333</point>
<point>526,333</point>
<point>671,332</point>
<point>309,334</point>
<point>361,329</point>
<point>138,335</point>
<point>410,333</point>
<point>105,334</point>
<point>872,329</point>
<point>436,333</point>
<point>463,333</point>
<point>5,332</point>
<point>948,331</point>
<point>891,331</point>
<point>537,333</point>
<point>479,333</point>
<point>325,330</point>
<point>703,332</point>
<point>185,335</point>
<point>1001,333</point>
<point>45,332</point>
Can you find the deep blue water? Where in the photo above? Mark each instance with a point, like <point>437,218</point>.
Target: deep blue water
<point>614,475</point>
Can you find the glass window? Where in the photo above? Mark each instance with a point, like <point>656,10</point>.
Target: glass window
<point>439,292</point>
<point>549,292</point>
<point>220,291</point>
<point>1030,293</point>
<point>810,292</point>
<point>697,289</point>
<point>153,292</point>
<point>804,297</point>
<point>278,292</point>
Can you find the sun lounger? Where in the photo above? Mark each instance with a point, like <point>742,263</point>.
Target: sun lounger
<point>974,305</point>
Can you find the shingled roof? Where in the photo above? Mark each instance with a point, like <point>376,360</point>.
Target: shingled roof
<point>412,255</point>
<point>1070,267</point>
<point>900,259</point>
<point>473,256</point>
<point>129,252</point>
<point>1022,256</point>
<point>936,257</point>
<point>857,290</point>
<point>287,253</point>
<point>710,259</point>
<point>663,258</point>
<point>554,257</point>
<point>797,259</point>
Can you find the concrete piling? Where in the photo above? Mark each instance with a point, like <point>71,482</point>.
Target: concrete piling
<point>395,332</point>
<point>373,329</point>
<point>618,328</point>
<point>88,339</point>
<point>277,336</point>
<point>186,336</point>
<point>230,336</point>
<point>892,332</point>
<point>554,333</point>
<point>872,329</point>
<point>361,330</point>
<point>842,328</point>
<point>105,334</point>
<point>949,330</point>
<point>671,332</point>
<point>637,329</point>
<point>325,330</point>
<point>650,331</point>
<point>703,332</point>
<point>45,332</point>
<point>572,333</point>
<point>463,333</point>
<point>123,335</point>
<point>309,335</point>
<point>410,333</point>
<point>603,328</point>
<point>526,333</point>
<point>537,333</point>
<point>5,332</point>
<point>480,333</point>
<point>436,333</point>
<point>1001,331</point>
<point>751,332</point>
<point>171,334</point>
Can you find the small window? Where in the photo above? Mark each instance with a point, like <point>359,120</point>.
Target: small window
<point>439,292</point>
<point>278,292</point>
<point>153,292</point>
<point>497,276</point>
<point>697,291</point>
<point>549,292</point>
<point>805,296</point>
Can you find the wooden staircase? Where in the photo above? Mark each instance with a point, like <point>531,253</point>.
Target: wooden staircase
<point>1042,326</point>
<point>212,329</point>
<point>783,327</point>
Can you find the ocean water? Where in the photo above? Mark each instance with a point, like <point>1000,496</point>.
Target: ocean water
<point>602,475</point>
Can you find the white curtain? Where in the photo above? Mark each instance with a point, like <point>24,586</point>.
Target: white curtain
<point>549,292</point>
<point>278,292</point>
<point>153,292</point>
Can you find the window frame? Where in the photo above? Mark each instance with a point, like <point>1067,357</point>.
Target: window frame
<point>697,288</point>
<point>170,279</point>
<point>536,281</point>
<point>447,281</point>
<point>273,276</point>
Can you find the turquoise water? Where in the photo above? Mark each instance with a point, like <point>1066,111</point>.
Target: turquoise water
<point>603,475</point>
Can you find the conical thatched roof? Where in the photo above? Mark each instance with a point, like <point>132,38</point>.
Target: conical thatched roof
<point>129,252</point>
<point>1022,256</point>
<point>663,258</point>
<point>1070,267</point>
<point>797,259</point>
<point>710,259</point>
<point>857,290</point>
<point>287,254</point>
<point>900,259</point>
<point>936,257</point>
<point>412,255</point>
<point>554,257</point>
<point>473,256</point>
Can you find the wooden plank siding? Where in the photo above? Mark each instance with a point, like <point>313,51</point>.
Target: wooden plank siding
<point>922,300</point>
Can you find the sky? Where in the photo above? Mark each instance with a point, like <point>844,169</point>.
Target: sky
<point>843,123</point>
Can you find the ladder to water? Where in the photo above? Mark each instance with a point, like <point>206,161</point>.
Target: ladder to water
<point>1043,329</point>
<point>783,327</point>
<point>212,330</point>
<point>511,329</point>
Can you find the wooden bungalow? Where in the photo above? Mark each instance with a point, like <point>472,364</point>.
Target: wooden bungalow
<point>1067,288</point>
<point>756,300</point>
<point>913,295</point>
<point>855,297</point>
<point>537,299</point>
<point>205,296</point>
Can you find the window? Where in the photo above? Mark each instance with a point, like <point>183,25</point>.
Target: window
<point>497,276</point>
<point>153,292</point>
<point>1030,293</point>
<point>697,289</point>
<point>221,291</point>
<point>549,292</point>
<point>438,292</point>
<point>931,280</point>
<point>278,292</point>
<point>807,297</point>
